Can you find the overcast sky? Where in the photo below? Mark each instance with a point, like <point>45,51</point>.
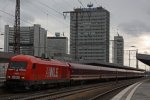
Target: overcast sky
<point>130,18</point>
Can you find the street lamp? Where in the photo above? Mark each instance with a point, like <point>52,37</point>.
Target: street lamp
<point>137,65</point>
<point>130,56</point>
<point>145,64</point>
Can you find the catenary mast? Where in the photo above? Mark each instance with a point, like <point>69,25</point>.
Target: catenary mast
<point>16,47</point>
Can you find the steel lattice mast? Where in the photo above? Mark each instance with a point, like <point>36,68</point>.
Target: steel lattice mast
<point>16,47</point>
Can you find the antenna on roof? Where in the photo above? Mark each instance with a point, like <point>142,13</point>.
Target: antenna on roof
<point>90,5</point>
<point>117,33</point>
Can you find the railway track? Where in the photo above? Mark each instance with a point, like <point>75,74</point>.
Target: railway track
<point>15,96</point>
<point>86,92</point>
<point>95,93</point>
<point>59,91</point>
<point>107,95</point>
<point>36,94</point>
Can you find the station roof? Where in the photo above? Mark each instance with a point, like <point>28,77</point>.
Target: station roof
<point>144,58</point>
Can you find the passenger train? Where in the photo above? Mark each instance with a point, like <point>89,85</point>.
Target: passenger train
<point>26,71</point>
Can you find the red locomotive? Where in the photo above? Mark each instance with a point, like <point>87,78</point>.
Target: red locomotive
<point>29,71</point>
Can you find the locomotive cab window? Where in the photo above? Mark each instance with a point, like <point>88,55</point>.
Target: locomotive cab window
<point>18,65</point>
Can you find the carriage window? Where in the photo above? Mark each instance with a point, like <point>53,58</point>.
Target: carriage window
<point>18,65</point>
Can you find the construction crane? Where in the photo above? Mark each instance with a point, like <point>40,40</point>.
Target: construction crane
<point>16,46</point>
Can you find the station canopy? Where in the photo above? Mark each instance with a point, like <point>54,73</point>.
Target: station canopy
<point>144,58</point>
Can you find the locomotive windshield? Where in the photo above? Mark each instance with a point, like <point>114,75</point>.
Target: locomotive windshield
<point>17,65</point>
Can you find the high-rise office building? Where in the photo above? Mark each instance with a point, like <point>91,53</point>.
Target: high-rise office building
<point>32,40</point>
<point>89,34</point>
<point>118,50</point>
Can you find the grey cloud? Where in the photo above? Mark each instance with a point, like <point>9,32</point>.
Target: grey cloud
<point>134,27</point>
<point>122,10</point>
<point>148,12</point>
<point>27,18</point>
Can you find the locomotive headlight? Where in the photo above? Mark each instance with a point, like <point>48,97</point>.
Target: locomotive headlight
<point>22,77</point>
<point>8,76</point>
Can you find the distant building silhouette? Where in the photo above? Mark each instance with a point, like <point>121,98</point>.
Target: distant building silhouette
<point>57,46</point>
<point>118,50</point>
<point>32,40</point>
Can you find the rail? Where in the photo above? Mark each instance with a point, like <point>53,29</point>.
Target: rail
<point>102,95</point>
<point>81,92</point>
<point>68,93</point>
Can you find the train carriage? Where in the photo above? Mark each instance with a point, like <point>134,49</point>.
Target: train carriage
<point>84,72</point>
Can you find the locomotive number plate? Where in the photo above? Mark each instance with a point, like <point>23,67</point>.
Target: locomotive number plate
<point>15,77</point>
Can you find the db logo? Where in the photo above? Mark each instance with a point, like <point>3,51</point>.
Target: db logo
<point>52,72</point>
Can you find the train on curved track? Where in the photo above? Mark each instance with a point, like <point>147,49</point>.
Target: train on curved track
<point>28,72</point>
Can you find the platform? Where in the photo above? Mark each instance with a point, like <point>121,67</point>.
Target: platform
<point>137,91</point>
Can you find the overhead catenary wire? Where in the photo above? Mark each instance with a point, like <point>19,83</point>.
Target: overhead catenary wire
<point>97,3</point>
<point>46,12</point>
<point>60,13</point>
<point>8,19</point>
<point>6,4</point>
<point>57,2</point>
<point>50,8</point>
<point>42,11</point>
<point>68,4</point>
<point>45,5</point>
<point>81,3</point>
<point>14,16</point>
